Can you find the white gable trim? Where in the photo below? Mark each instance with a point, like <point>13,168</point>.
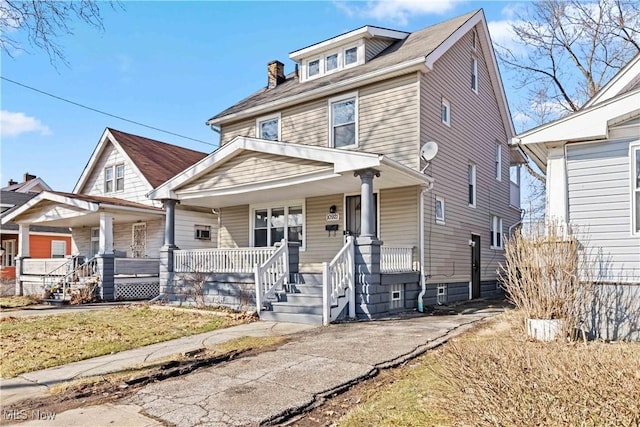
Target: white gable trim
<point>342,160</point>
<point>490,58</point>
<point>591,123</point>
<point>32,184</point>
<point>625,76</point>
<point>46,196</point>
<point>106,138</point>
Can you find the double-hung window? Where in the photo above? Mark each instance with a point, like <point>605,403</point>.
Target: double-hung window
<point>114,178</point>
<point>498,162</point>
<point>496,232</point>
<point>445,112</point>
<point>439,210</point>
<point>472,185</point>
<point>272,224</point>
<point>474,75</point>
<point>635,186</point>
<point>343,113</point>
<point>58,248</point>
<point>268,127</point>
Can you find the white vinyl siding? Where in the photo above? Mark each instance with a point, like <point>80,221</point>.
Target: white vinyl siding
<point>600,205</point>
<point>185,222</point>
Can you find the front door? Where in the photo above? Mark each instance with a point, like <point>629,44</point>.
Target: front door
<point>475,266</point>
<point>139,240</point>
<point>353,218</point>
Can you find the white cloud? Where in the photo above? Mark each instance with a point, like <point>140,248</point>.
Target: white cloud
<point>13,124</point>
<point>396,11</point>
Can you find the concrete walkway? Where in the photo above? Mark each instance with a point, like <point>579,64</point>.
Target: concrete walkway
<point>270,386</point>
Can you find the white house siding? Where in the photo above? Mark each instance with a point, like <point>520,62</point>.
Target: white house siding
<point>185,222</point>
<point>234,227</point>
<point>320,244</point>
<point>399,218</point>
<point>599,204</point>
<point>250,167</point>
<point>476,125</point>
<point>387,114</point>
<point>135,188</point>
<point>81,240</point>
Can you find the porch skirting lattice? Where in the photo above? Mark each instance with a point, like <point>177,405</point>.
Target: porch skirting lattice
<point>136,291</point>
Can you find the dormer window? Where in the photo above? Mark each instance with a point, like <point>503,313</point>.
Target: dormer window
<point>313,68</point>
<point>351,56</point>
<point>331,63</point>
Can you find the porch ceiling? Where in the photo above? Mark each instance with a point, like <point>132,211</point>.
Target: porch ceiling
<point>301,187</point>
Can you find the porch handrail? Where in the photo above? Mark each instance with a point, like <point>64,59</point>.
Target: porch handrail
<point>60,271</point>
<point>272,275</point>
<point>226,260</point>
<point>396,259</point>
<point>338,279</point>
<point>89,268</point>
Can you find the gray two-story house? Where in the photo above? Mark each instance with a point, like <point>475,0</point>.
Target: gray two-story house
<point>382,162</point>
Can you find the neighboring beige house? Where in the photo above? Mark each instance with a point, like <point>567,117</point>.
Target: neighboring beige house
<point>335,148</point>
<point>114,225</point>
<point>592,162</point>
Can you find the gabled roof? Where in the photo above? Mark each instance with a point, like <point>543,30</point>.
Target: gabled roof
<point>155,161</point>
<point>419,50</point>
<point>626,80</point>
<point>17,199</point>
<point>27,186</point>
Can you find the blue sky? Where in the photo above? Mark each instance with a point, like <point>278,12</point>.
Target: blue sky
<point>172,65</point>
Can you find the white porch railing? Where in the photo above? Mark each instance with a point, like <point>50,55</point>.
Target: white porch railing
<point>271,275</point>
<point>338,280</point>
<point>42,266</point>
<point>232,260</point>
<point>396,259</point>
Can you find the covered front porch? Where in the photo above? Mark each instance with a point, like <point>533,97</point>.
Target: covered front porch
<point>318,203</point>
<point>113,247</point>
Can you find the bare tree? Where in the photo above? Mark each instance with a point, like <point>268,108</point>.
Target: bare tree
<point>567,50</point>
<point>42,22</point>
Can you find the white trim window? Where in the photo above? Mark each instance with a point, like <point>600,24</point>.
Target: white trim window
<point>472,172</point>
<point>635,185</point>
<point>268,127</point>
<point>95,241</point>
<point>343,121</point>
<point>271,224</point>
<point>445,112</point>
<point>313,68</point>
<point>498,162</point>
<point>114,178</point>
<point>350,56</point>
<point>120,177</point>
<point>474,75</point>
<point>331,63</point>
<point>496,233</point>
<point>439,210</point>
<point>9,255</point>
<point>58,249</point>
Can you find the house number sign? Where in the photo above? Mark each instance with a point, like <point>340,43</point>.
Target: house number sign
<point>333,217</point>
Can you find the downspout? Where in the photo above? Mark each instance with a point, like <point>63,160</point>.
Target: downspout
<point>423,281</point>
<point>522,211</point>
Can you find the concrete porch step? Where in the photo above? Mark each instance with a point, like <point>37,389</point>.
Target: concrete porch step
<point>287,307</point>
<point>308,278</point>
<point>297,289</point>
<point>302,299</point>
<point>305,318</point>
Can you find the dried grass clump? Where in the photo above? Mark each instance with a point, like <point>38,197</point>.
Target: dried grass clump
<point>546,275</point>
<point>505,381</point>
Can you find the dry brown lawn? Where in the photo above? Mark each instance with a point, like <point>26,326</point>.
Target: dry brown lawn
<point>494,376</point>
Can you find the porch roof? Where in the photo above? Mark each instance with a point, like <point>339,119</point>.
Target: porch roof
<point>71,210</point>
<point>319,171</point>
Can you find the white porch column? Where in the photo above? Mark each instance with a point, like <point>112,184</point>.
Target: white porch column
<point>367,208</point>
<point>106,234</point>
<point>23,241</point>
<point>557,186</point>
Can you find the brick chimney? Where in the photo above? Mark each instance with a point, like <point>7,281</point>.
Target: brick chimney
<point>12,182</point>
<point>275,73</point>
<point>28,177</point>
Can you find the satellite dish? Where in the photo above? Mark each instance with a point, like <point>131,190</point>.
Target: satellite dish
<point>429,150</point>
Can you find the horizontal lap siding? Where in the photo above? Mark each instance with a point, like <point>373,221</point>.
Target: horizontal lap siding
<point>185,223</point>
<point>321,245</point>
<point>135,189</point>
<point>399,215</point>
<point>250,167</point>
<point>234,227</point>
<point>81,237</point>
<point>476,125</point>
<point>374,46</point>
<point>387,117</point>
<point>387,114</point>
<point>599,186</point>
